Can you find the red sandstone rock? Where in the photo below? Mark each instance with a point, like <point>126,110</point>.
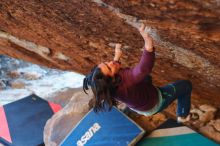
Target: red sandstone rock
<point>210,132</point>
<point>76,35</point>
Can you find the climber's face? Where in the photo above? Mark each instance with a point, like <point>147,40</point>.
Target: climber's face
<point>110,68</point>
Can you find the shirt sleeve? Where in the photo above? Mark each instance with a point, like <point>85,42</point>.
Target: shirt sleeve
<point>136,74</point>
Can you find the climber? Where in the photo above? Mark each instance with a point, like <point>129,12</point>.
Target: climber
<point>133,86</point>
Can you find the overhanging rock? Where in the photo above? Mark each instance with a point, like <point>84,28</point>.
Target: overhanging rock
<point>76,35</point>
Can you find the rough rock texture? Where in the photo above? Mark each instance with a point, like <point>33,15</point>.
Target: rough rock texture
<point>76,35</point>
<point>62,122</point>
<point>210,130</point>
<point>204,119</point>
<point>149,123</point>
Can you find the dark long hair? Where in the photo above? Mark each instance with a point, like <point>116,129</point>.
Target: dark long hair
<point>103,87</point>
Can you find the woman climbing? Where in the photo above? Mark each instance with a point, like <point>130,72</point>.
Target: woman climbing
<point>111,83</point>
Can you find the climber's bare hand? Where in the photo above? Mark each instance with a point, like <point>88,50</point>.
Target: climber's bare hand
<point>147,38</point>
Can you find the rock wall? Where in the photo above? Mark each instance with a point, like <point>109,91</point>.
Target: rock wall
<point>75,35</point>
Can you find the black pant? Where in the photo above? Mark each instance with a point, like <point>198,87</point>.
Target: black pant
<point>180,90</point>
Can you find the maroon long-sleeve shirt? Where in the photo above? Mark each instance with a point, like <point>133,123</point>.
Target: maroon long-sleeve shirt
<point>133,90</point>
